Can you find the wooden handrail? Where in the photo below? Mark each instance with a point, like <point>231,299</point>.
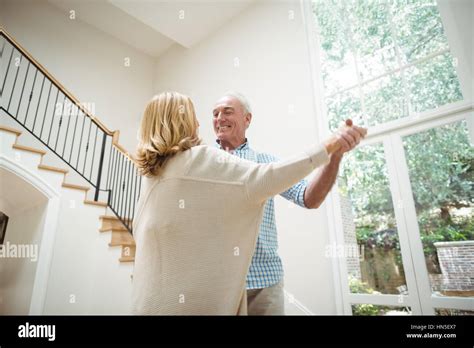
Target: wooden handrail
<point>114,134</point>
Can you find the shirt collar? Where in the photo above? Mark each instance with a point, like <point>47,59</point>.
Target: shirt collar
<point>241,147</point>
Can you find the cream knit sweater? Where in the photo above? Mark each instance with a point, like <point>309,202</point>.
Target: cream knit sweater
<point>196,227</point>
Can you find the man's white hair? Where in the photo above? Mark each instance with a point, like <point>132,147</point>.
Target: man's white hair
<point>242,99</point>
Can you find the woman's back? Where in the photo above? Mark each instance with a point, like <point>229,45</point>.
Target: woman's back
<point>194,238</point>
<point>196,227</point>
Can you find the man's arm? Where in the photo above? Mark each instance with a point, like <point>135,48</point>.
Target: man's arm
<point>319,187</point>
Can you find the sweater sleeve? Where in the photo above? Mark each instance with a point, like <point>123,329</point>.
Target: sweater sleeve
<point>266,180</point>
<point>261,180</point>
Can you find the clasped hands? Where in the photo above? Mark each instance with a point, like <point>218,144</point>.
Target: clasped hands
<point>345,139</point>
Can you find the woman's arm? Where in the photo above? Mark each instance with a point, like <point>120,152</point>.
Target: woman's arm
<point>267,180</point>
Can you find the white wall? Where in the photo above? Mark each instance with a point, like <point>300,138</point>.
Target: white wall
<point>18,273</point>
<point>85,275</point>
<point>87,61</point>
<point>273,71</point>
<point>1,12</point>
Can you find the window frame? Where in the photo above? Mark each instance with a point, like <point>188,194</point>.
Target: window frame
<point>388,133</point>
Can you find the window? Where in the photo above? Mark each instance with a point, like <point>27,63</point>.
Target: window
<point>383,60</point>
<point>405,196</point>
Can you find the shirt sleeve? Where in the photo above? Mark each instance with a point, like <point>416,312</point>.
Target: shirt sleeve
<point>295,193</point>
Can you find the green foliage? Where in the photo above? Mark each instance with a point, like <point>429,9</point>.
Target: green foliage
<point>363,39</point>
<point>441,165</point>
<point>434,230</point>
<point>358,287</point>
<point>365,309</point>
<point>381,36</point>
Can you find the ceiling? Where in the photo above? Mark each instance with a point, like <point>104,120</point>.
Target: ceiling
<point>152,26</point>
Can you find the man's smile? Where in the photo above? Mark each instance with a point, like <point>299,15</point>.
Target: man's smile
<point>223,128</point>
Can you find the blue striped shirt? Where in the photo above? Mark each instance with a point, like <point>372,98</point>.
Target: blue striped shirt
<point>266,268</point>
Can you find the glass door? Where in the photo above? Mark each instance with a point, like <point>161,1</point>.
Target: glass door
<point>378,270</point>
<point>435,169</point>
<point>407,208</point>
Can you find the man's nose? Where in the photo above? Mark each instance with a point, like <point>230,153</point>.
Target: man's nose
<point>220,116</point>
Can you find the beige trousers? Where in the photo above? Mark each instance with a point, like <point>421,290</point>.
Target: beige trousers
<point>266,301</point>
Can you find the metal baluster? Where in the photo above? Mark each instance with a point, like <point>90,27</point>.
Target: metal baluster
<point>45,109</point>
<point>115,177</point>
<point>14,84</point>
<point>23,89</point>
<point>109,165</point>
<point>3,48</point>
<point>29,99</point>
<point>80,139</point>
<point>60,123</point>
<point>87,144</point>
<point>130,195</point>
<point>135,194</point>
<point>93,151</point>
<point>74,133</point>
<point>127,197</point>
<point>52,118</point>
<point>67,129</point>
<point>8,70</point>
<point>101,163</point>
<point>39,102</point>
<point>110,183</point>
<point>122,187</point>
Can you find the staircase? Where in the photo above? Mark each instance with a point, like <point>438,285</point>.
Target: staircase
<point>41,106</point>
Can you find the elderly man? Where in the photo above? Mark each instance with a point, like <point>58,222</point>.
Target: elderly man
<point>231,118</point>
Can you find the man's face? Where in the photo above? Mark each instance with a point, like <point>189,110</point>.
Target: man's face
<point>230,121</point>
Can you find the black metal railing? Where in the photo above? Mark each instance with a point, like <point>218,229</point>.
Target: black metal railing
<point>42,106</point>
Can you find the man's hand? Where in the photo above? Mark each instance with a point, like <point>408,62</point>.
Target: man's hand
<point>345,139</point>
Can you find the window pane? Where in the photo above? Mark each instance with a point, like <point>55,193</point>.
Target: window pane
<point>385,100</point>
<point>419,28</point>
<point>379,40</point>
<point>369,222</point>
<point>372,37</point>
<point>441,168</point>
<point>341,106</point>
<point>370,309</point>
<point>433,83</point>
<point>338,63</point>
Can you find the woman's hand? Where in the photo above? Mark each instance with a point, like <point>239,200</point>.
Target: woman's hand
<point>345,139</point>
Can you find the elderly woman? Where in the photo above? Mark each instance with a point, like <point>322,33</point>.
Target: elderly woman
<point>199,212</point>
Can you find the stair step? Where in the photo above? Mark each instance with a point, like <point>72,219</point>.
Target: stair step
<point>122,237</point>
<point>127,259</point>
<point>108,217</point>
<point>30,149</point>
<point>76,187</point>
<point>11,130</point>
<point>114,244</point>
<point>113,228</point>
<point>53,169</point>
<point>101,204</point>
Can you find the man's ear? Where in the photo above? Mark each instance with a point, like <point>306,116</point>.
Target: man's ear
<point>248,119</point>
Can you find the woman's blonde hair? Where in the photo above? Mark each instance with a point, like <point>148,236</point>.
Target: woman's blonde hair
<point>168,126</point>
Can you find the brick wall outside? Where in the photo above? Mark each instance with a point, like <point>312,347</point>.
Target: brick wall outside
<point>456,260</point>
